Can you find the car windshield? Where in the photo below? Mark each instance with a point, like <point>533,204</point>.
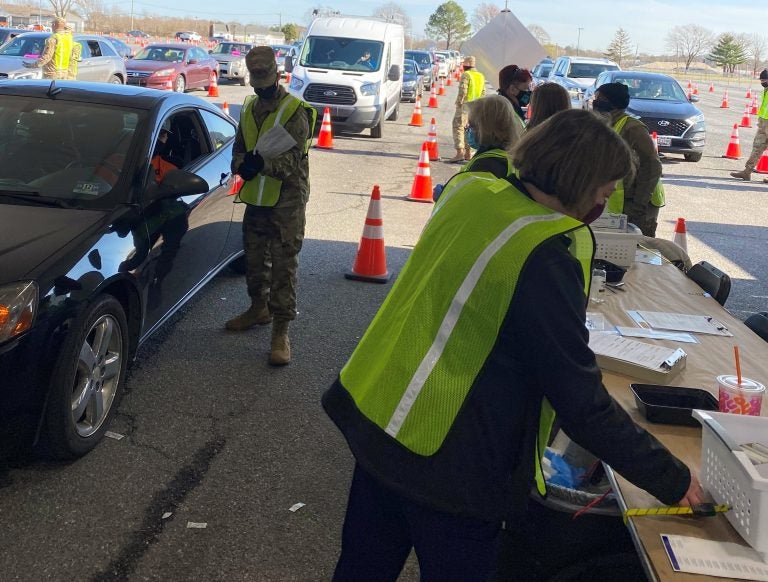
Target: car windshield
<point>542,70</point>
<point>23,47</point>
<point>160,53</point>
<point>421,58</point>
<point>228,48</point>
<point>657,88</point>
<point>409,69</point>
<point>71,151</point>
<point>589,70</point>
<point>347,54</point>
<point>281,51</point>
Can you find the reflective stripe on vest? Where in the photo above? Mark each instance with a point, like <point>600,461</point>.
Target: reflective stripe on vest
<point>763,111</point>
<point>412,371</point>
<point>63,50</point>
<point>494,153</point>
<point>475,86</point>
<point>616,201</point>
<point>265,190</point>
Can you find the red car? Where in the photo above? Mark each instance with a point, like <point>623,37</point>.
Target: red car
<point>172,66</point>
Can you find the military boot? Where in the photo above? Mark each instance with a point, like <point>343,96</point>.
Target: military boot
<point>256,314</point>
<point>743,175</point>
<point>280,353</point>
<point>459,157</point>
<point>467,154</point>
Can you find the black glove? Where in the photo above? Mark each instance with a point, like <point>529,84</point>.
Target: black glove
<point>251,166</point>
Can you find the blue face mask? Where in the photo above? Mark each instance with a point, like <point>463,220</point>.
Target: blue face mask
<point>469,138</point>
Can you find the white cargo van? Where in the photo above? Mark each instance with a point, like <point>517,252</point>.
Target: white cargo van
<point>353,66</point>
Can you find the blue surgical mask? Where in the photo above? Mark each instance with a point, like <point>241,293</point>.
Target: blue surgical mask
<point>469,138</point>
<point>523,98</point>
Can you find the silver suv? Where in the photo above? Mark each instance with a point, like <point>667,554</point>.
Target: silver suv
<point>576,74</point>
<point>99,60</point>
<point>231,58</point>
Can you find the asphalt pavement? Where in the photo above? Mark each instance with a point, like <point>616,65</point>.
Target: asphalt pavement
<point>212,435</point>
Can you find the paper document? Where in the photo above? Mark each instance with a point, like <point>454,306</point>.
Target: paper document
<point>274,142</point>
<point>634,352</point>
<point>655,334</point>
<point>683,322</point>
<point>722,559</point>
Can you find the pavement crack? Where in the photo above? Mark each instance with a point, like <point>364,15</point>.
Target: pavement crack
<point>168,499</point>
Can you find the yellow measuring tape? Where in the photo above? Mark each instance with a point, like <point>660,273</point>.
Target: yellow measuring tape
<point>702,510</point>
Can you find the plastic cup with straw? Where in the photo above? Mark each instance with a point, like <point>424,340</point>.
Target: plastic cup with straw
<point>737,394</point>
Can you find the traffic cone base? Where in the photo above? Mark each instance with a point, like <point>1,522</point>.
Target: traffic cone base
<point>225,108</point>
<point>371,261</point>
<point>680,237</point>
<point>753,109</point>
<point>762,164</point>
<point>724,104</point>
<point>416,116</point>
<point>421,191</point>
<point>441,90</point>
<point>746,121</point>
<point>213,88</point>
<point>325,139</point>
<point>432,97</point>
<point>711,87</point>
<point>733,151</point>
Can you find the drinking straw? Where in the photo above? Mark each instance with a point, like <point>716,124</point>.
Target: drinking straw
<point>738,364</point>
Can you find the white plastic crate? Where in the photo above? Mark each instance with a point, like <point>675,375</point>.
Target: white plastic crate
<point>729,475</point>
<point>618,247</point>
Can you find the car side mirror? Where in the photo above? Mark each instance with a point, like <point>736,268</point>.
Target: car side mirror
<point>288,62</point>
<point>192,62</point>
<point>210,52</point>
<point>558,74</point>
<point>394,73</point>
<point>694,98</point>
<point>179,183</point>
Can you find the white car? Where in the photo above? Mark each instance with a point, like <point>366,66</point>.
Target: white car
<point>188,36</point>
<point>442,65</point>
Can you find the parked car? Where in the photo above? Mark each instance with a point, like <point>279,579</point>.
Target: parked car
<point>172,66</point>
<point>95,256</point>
<point>99,59</point>
<point>450,63</point>
<point>441,65</point>
<point>7,34</point>
<point>122,49</point>
<point>138,34</point>
<point>188,36</point>
<point>540,72</point>
<point>423,60</point>
<point>576,74</point>
<point>231,59</point>
<point>282,51</point>
<point>413,83</point>
<point>663,106</point>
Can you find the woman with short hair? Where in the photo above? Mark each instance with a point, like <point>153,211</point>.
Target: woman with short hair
<point>493,131</point>
<point>546,100</point>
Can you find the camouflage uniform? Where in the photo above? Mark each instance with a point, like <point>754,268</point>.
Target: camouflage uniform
<point>273,236</point>
<point>77,51</point>
<point>47,61</point>
<point>460,118</point>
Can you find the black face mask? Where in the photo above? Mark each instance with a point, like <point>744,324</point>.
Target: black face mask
<point>266,92</point>
<point>764,82</point>
<point>602,106</point>
<point>523,98</point>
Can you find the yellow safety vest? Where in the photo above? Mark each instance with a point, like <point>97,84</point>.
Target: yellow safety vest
<point>265,190</point>
<point>616,201</point>
<point>63,51</point>
<point>493,153</point>
<point>476,84</point>
<point>762,113</point>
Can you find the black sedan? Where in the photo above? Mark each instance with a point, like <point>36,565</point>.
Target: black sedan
<point>99,242</point>
<point>661,104</point>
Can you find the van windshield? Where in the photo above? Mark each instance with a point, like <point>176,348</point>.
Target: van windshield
<point>346,54</point>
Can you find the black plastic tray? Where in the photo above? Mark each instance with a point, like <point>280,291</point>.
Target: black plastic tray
<point>672,404</point>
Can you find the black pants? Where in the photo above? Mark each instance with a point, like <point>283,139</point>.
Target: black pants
<point>381,527</point>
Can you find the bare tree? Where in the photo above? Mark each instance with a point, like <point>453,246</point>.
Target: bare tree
<point>690,41</point>
<point>89,10</point>
<point>394,12</point>
<point>61,7</point>
<point>539,33</point>
<point>757,44</point>
<point>483,14</point>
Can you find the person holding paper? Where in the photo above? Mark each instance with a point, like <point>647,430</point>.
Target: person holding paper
<point>447,402</point>
<point>276,190</point>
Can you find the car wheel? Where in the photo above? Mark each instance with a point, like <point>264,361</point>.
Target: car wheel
<point>115,80</point>
<point>180,84</point>
<point>245,79</point>
<point>395,114</point>
<point>693,157</point>
<point>376,131</point>
<point>87,379</point>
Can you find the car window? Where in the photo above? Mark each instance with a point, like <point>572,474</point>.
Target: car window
<point>657,88</point>
<point>157,53</point>
<point>186,141</point>
<point>589,70</point>
<point>221,130</point>
<point>200,54</point>
<point>106,49</point>
<point>23,47</point>
<point>421,58</point>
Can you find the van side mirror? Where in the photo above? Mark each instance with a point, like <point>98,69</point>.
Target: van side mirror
<point>694,98</point>
<point>394,73</point>
<point>288,64</point>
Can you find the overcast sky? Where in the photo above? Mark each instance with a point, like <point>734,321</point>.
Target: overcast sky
<point>647,21</point>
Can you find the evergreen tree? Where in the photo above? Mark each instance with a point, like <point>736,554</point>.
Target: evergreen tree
<point>448,22</point>
<point>620,47</point>
<point>729,52</point>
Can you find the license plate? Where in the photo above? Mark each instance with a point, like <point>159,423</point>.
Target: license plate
<point>664,140</point>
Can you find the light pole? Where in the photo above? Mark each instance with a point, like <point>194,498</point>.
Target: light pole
<point>578,42</point>
<point>131,14</point>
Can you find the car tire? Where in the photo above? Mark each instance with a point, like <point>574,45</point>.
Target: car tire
<point>180,84</point>
<point>115,80</point>
<point>245,79</point>
<point>693,157</point>
<point>90,369</point>
<point>376,131</point>
<point>395,113</point>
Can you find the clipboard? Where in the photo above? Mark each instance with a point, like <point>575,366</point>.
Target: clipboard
<point>636,359</point>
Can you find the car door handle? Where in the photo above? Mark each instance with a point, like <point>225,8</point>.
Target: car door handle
<point>224,178</point>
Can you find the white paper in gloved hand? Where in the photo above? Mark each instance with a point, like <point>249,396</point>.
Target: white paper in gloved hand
<point>274,142</point>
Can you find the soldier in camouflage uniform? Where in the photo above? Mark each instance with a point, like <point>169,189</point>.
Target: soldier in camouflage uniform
<point>276,192</point>
<point>58,53</point>
<point>471,87</point>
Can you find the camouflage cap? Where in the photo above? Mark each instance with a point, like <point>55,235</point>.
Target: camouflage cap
<point>262,66</point>
<point>469,61</point>
<point>59,22</point>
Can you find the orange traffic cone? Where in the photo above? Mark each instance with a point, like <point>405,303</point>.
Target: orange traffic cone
<point>325,139</point>
<point>432,98</point>
<point>225,108</point>
<point>655,139</point>
<point>434,152</point>
<point>681,238</point>
<point>416,118</point>
<point>711,87</point>
<point>724,104</point>
<point>441,90</point>
<point>689,84</point>
<point>749,93</point>
<point>695,89</point>
<point>371,260</point>
<point>762,164</point>
<point>448,81</point>
<point>421,191</point>
<point>213,88</point>
<point>287,78</point>
<point>753,110</point>
<point>733,151</point>
<point>746,121</point>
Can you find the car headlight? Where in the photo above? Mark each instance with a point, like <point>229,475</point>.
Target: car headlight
<point>18,305</point>
<point>370,89</point>
<point>33,74</point>
<point>296,83</point>
<point>409,83</point>
<point>695,119</point>
<point>163,73</point>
